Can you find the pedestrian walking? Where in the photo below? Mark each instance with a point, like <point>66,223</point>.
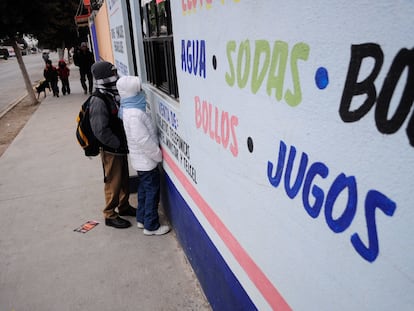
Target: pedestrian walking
<point>108,129</point>
<point>45,56</point>
<point>144,152</point>
<point>84,59</point>
<point>64,72</point>
<point>51,75</point>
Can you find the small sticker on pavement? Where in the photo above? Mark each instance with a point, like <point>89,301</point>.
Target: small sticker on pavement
<point>89,225</point>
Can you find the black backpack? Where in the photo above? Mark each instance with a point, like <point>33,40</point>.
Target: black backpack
<point>86,139</point>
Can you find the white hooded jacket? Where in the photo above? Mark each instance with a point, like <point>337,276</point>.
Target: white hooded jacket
<point>140,130</point>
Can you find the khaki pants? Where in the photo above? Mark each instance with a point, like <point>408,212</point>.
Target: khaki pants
<point>116,179</point>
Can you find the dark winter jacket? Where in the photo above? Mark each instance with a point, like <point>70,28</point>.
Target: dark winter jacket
<point>50,73</point>
<point>106,125</point>
<point>84,60</point>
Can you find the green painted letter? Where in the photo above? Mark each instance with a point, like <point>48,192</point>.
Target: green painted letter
<point>300,51</point>
<point>279,60</point>
<point>262,47</point>
<point>242,77</point>
<point>230,78</point>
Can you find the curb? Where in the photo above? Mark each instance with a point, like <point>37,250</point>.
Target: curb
<point>12,105</point>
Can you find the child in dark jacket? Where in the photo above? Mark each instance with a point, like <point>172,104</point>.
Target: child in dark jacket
<point>63,72</point>
<point>51,75</point>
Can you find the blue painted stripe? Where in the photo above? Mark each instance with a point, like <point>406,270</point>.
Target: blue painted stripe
<point>221,287</point>
<point>95,42</point>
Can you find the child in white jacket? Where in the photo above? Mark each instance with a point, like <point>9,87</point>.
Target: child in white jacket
<point>144,152</point>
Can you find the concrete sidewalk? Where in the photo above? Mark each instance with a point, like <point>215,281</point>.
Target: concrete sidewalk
<point>47,189</point>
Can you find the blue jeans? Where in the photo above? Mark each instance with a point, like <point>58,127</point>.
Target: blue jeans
<point>148,198</point>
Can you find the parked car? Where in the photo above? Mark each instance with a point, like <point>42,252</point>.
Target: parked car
<point>11,51</point>
<point>4,53</point>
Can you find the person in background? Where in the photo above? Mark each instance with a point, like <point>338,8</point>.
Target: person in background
<point>45,56</point>
<point>144,152</point>
<point>84,59</point>
<point>51,75</point>
<point>108,129</point>
<point>64,72</point>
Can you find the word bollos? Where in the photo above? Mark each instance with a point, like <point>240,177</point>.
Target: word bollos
<point>193,57</point>
<point>273,65</point>
<point>345,185</point>
<point>224,127</point>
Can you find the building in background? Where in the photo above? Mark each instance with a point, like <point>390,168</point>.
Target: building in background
<point>93,27</point>
<point>101,38</point>
<point>287,135</point>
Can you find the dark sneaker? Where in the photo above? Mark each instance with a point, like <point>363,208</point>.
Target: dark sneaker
<point>117,222</point>
<point>130,211</point>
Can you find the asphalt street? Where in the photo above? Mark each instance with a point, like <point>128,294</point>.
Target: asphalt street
<point>11,79</point>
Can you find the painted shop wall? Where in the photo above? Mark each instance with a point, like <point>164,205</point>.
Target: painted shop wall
<point>289,155</point>
<point>120,35</point>
<point>103,35</point>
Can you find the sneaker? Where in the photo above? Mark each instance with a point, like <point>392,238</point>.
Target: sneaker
<point>160,231</point>
<point>117,222</point>
<point>140,225</point>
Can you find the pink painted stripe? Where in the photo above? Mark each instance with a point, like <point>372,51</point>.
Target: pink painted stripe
<point>256,275</point>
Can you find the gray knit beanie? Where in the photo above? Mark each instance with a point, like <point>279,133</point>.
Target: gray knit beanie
<point>103,70</point>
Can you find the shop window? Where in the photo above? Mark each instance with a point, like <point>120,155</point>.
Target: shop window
<point>159,45</point>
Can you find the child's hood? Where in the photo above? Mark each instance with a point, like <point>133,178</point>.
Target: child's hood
<point>128,86</point>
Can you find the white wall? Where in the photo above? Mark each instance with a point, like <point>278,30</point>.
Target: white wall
<point>343,239</point>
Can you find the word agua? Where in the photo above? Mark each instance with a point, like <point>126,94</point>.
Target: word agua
<point>403,60</point>
<point>266,65</point>
<point>193,57</point>
<point>220,126</point>
<point>346,185</point>
<point>190,6</point>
